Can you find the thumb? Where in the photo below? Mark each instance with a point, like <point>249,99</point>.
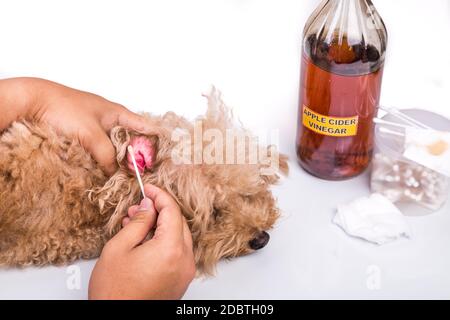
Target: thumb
<point>129,119</point>
<point>98,144</point>
<point>138,228</point>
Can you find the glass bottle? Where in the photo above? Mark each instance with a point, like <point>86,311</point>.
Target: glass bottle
<point>344,46</point>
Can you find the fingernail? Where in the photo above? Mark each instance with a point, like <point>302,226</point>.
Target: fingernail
<point>145,204</point>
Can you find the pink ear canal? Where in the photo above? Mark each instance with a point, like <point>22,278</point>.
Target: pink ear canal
<point>144,153</point>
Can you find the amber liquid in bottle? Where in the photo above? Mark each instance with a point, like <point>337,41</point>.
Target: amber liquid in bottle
<point>338,80</point>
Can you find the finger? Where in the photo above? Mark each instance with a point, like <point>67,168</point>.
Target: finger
<point>136,230</point>
<point>161,199</point>
<point>128,119</point>
<point>125,221</point>
<point>97,143</point>
<point>146,205</point>
<point>169,224</point>
<point>133,210</point>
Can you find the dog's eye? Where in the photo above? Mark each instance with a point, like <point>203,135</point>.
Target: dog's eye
<point>215,213</point>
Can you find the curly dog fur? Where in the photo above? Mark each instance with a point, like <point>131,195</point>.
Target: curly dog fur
<point>56,205</point>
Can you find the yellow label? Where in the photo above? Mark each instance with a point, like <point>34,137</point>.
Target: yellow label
<point>330,126</point>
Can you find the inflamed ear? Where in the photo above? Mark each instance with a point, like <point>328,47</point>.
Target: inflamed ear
<point>143,152</point>
<point>121,190</point>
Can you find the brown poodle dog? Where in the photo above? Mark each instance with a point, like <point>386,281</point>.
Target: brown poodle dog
<point>56,205</point>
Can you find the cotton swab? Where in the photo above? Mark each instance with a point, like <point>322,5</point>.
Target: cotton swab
<point>138,175</point>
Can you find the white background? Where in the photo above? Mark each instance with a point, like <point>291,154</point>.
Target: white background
<point>160,55</point>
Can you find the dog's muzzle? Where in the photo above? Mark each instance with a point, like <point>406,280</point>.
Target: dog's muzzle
<point>260,241</point>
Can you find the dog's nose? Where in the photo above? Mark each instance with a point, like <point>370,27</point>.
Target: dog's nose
<point>259,241</point>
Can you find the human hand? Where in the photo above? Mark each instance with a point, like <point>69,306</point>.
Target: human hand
<point>160,268</point>
<point>80,115</point>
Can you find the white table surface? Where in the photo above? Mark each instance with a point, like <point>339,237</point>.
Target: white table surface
<point>160,55</point>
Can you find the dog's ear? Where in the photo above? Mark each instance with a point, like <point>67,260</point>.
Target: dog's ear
<point>122,190</point>
<point>114,197</point>
<point>119,192</point>
<point>120,138</point>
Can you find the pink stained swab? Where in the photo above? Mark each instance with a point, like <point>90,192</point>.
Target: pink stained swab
<point>138,175</point>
